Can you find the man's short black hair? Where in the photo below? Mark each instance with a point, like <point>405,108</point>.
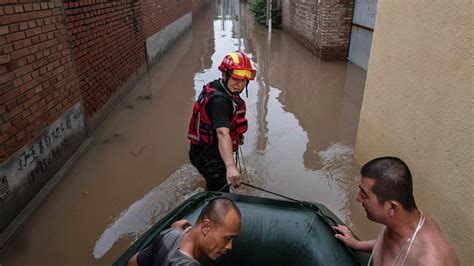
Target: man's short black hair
<point>393,180</point>
<point>217,209</point>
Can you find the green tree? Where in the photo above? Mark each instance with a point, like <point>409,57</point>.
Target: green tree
<point>259,8</point>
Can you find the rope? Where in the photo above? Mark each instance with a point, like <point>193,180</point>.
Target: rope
<point>324,217</point>
<point>241,162</point>
<point>271,192</point>
<point>319,213</point>
<point>224,187</point>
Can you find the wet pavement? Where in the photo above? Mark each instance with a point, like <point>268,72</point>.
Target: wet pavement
<point>303,117</point>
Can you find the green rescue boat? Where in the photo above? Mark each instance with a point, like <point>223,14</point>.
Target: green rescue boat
<point>273,232</point>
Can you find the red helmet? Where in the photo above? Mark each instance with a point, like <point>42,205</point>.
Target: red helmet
<point>238,66</point>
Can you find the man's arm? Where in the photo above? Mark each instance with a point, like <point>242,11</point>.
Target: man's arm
<point>145,257</point>
<point>348,238</point>
<point>225,150</point>
<point>181,224</point>
<point>133,260</point>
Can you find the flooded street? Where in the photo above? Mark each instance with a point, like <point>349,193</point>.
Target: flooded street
<point>303,116</point>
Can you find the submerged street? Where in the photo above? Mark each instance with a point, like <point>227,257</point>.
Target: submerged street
<point>303,116</point>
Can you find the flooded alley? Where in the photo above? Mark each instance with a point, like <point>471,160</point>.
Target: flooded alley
<point>303,117</point>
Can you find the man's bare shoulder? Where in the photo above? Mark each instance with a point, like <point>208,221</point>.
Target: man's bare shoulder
<point>431,247</point>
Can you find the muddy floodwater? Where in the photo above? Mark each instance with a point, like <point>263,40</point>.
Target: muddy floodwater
<point>303,116</point>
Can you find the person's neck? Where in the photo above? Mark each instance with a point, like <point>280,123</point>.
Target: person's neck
<point>189,244</point>
<point>404,225</point>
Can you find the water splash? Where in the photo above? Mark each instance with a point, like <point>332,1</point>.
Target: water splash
<point>337,161</point>
<point>145,212</point>
<point>338,169</point>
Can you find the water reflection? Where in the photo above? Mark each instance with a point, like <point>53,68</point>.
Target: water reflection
<point>302,114</point>
<point>143,213</point>
<point>305,120</point>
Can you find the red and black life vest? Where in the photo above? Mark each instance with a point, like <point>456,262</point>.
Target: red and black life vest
<point>200,125</point>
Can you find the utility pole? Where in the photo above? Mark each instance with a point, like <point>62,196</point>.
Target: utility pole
<point>269,15</point>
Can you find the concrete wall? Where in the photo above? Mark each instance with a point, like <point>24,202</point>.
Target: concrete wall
<point>418,105</point>
<point>165,21</point>
<point>160,42</point>
<point>322,26</point>
<point>28,170</point>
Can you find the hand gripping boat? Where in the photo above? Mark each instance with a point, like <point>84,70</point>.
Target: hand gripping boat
<point>273,232</point>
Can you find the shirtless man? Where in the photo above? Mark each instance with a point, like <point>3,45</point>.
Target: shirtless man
<point>409,236</point>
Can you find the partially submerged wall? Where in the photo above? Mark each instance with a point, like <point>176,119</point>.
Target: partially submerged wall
<point>63,68</point>
<point>28,170</point>
<point>41,119</point>
<point>322,26</point>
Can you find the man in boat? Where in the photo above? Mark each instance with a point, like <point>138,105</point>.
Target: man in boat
<point>216,227</point>
<point>409,236</point>
<point>218,123</point>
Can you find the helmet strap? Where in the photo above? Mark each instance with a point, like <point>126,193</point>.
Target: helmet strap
<point>227,77</point>
<point>226,82</point>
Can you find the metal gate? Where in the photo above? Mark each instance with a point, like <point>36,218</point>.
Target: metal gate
<point>363,22</point>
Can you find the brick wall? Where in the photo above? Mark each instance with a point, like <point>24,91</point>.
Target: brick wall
<point>63,67</point>
<point>336,29</point>
<point>107,40</point>
<point>53,55</point>
<point>37,84</point>
<point>322,26</point>
<point>39,43</point>
<point>197,7</point>
<point>159,14</point>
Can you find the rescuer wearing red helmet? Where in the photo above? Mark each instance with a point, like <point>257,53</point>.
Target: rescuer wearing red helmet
<point>218,123</point>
